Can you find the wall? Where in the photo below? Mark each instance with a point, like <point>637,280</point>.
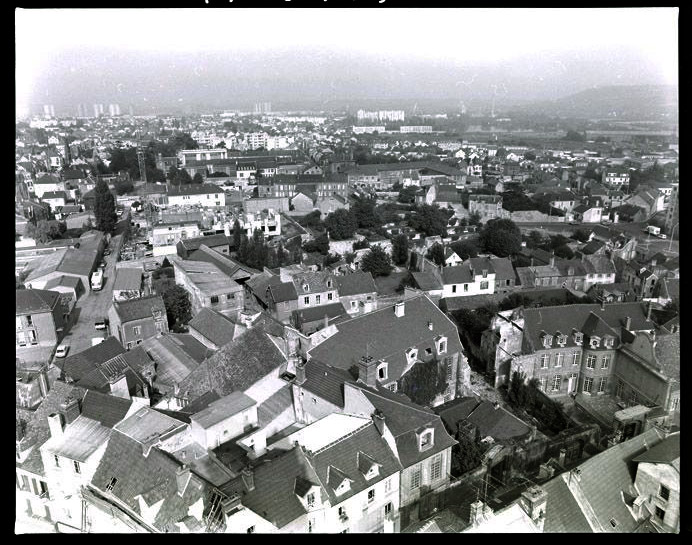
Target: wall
<point>649,478</point>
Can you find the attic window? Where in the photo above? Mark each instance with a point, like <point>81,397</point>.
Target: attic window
<point>608,342</point>
<point>595,342</point>
<point>382,371</point>
<point>310,500</point>
<point>111,484</point>
<point>412,354</point>
<point>306,287</point>
<point>426,440</point>
<point>547,340</point>
<point>613,522</point>
<point>343,487</point>
<point>578,337</point>
<point>561,339</point>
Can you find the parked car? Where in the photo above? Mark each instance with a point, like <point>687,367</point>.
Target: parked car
<point>62,350</point>
<point>97,340</point>
<point>101,324</point>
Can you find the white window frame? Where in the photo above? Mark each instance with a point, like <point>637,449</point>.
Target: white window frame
<point>588,385</point>
<point>591,361</point>
<point>557,383</point>
<point>436,467</point>
<point>576,358</point>
<point>545,361</point>
<point>559,358</point>
<point>382,367</point>
<point>602,382</point>
<point>416,477</point>
<point>605,361</point>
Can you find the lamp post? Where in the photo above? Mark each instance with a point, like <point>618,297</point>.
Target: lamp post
<point>670,246</point>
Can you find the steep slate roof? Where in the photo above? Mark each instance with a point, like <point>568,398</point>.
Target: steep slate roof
<point>214,326</point>
<point>326,382</point>
<point>80,439</point>
<point>53,195</point>
<point>313,314</point>
<point>404,419</point>
<point>47,179</point>
<point>427,281</point>
<point>667,352</point>
<point>666,452</point>
<point>153,477</point>
<point>504,270</point>
<point>280,292</point>
<point>211,241</point>
<point>173,363</point>
<point>383,335</point>
<point>565,318</point>
<point>602,480</point>
<point>668,288</point>
<point>497,423</point>
<point>274,405</point>
<point>222,408</point>
<point>66,260</point>
<point>81,363</point>
<point>194,189</point>
<point>315,281</point>
<point>104,408</point>
<point>274,496</point>
<point>459,274</point>
<point>355,284</point>
<point>138,309</point>
<point>235,366</point>
<point>35,301</point>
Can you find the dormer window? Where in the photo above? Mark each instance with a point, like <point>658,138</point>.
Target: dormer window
<point>329,283</point>
<point>411,354</point>
<point>608,342</point>
<point>310,500</point>
<point>547,340</point>
<point>426,440</point>
<point>441,345</point>
<point>382,371</point>
<point>595,342</point>
<point>578,337</point>
<point>561,339</point>
<point>306,287</point>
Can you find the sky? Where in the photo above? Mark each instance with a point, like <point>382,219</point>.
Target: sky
<point>214,55</point>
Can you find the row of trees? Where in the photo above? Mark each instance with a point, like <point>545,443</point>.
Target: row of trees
<point>256,253</point>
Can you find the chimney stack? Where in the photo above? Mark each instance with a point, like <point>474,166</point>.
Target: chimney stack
<point>378,419</point>
<point>648,311</point>
<point>476,513</point>
<point>399,309</point>
<point>43,382</point>
<point>326,321</point>
<point>367,371</point>
<point>248,478</point>
<point>69,408</point>
<point>534,501</point>
<point>602,303</point>
<point>552,260</point>
<point>628,323</point>
<point>430,325</point>
<point>300,372</point>
<point>182,477</point>
<point>55,423</point>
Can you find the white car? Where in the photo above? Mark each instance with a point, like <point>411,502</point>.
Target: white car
<point>97,340</point>
<point>62,350</point>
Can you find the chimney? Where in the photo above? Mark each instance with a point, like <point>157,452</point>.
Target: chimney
<point>248,478</point>
<point>562,456</point>
<point>476,513</point>
<point>182,477</point>
<point>533,501</point>
<point>43,382</point>
<point>378,419</point>
<point>69,408</point>
<point>430,325</point>
<point>300,372</point>
<point>602,303</point>
<point>648,311</point>
<point>326,321</point>
<point>399,309</point>
<point>628,323</point>
<point>55,424</point>
<point>552,260</point>
<point>532,261</point>
<point>367,371</point>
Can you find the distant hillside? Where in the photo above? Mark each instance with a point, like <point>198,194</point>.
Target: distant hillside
<point>621,102</point>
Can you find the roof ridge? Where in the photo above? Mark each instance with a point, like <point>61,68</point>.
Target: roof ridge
<point>411,406</point>
<point>343,437</point>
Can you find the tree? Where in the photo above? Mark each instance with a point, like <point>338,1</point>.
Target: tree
<point>349,257</point>
<point>465,248</point>
<point>313,219</point>
<point>44,231</point>
<point>467,455</point>
<point>575,136</point>
<point>182,177</point>
<point>366,215</point>
<point>436,254</point>
<point>407,195</point>
<point>582,235</point>
<point>429,219</point>
<point>501,237</point>
<point>475,219</point>
<point>320,244</point>
<point>400,249</point>
<point>341,224</point>
<point>178,305</point>
<point>535,239</point>
<point>237,234</point>
<point>123,186</point>
<point>564,251</point>
<point>198,178</point>
<point>377,262</point>
<point>104,207</point>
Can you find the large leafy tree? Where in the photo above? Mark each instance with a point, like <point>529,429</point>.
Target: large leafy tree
<point>467,455</point>
<point>501,237</point>
<point>365,213</point>
<point>341,224</point>
<point>400,249</point>
<point>465,248</point>
<point>436,254</point>
<point>429,219</point>
<point>377,262</point>
<point>104,207</point>
<point>178,305</point>
<point>198,178</point>
<point>45,230</point>
<point>319,244</point>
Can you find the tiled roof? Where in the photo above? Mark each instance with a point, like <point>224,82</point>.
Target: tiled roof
<point>127,278</point>
<point>274,405</point>
<point>666,452</point>
<point>223,408</point>
<point>194,189</point>
<point>383,335</point>
<point>53,195</point>
<point>106,409</point>
<point>81,363</point>
<point>667,352</point>
<point>47,179</point>
<point>326,382</point>
<point>213,326</point>
<point>316,282</point>
<point>235,366</point>
<point>504,270</point>
<point>138,309</point>
<point>173,363</point>
<point>497,423</point>
<point>281,292</point>
<point>210,241</point>
<point>192,347</point>
<point>80,439</point>
<point>313,314</point>
<point>64,281</point>
<point>35,301</point>
<point>459,274</point>
<point>355,284</point>
<point>153,477</point>
<point>427,281</point>
<point>227,265</point>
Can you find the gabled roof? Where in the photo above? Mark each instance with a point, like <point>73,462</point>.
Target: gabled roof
<point>35,301</point>
<point>139,309</point>
<point>79,364</point>
<point>223,408</point>
<point>235,366</point>
<point>47,179</point>
<point>214,326</point>
<point>313,314</point>
<point>80,439</point>
<point>504,270</point>
<point>326,382</point>
<point>665,452</point>
<point>357,283</point>
<point>211,241</point>
<point>232,268</point>
<point>281,292</point>
<point>491,420</point>
<point>173,362</point>
<point>427,281</point>
<point>53,195</point>
<point>194,189</point>
<point>104,408</point>
<point>128,278</point>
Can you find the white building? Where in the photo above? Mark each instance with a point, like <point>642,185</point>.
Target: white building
<point>186,155</point>
<point>205,195</point>
<point>165,236</point>
<point>474,277</point>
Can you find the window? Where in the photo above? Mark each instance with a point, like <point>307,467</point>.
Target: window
<point>317,299</point>
<point>388,486</point>
<point>311,525</point>
<point>392,387</point>
<point>329,296</point>
<point>18,323</point>
<point>590,361</point>
<point>310,499</point>
<point>426,440</point>
<point>354,304</point>
<point>229,296</point>
<point>660,513</point>
<point>485,274</point>
<point>449,371</point>
<point>388,508</point>
<point>436,468</point>
<point>415,477</point>
<point>56,459</point>
<point>557,380</point>
<point>428,351</point>
<point>602,384</point>
<point>558,360</point>
<point>136,330</point>
<point>442,347</point>
<point>382,371</point>
<point>578,338</point>
<point>576,358</point>
<point>371,495</point>
<point>676,404</point>
<point>545,359</point>
<point>605,361</point>
<point>664,492</point>
<point>77,468</point>
<point>484,285</point>
<point>454,288</point>
<point>466,287</point>
<point>588,383</point>
<point>111,484</point>
<point>620,387</point>
<point>595,342</point>
<point>307,300</point>
<point>29,321</point>
<point>129,345</point>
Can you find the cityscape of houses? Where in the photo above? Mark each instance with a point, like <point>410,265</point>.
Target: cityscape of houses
<point>345,321</point>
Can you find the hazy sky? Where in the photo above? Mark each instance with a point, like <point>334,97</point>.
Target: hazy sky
<point>68,56</point>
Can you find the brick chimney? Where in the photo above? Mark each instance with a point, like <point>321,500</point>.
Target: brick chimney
<point>628,323</point>
<point>430,325</point>
<point>378,419</point>
<point>648,311</point>
<point>300,372</point>
<point>182,478</point>
<point>367,371</point>
<point>534,501</point>
<point>399,309</point>
<point>55,423</point>
<point>248,477</point>
<point>477,508</point>
<point>69,408</point>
